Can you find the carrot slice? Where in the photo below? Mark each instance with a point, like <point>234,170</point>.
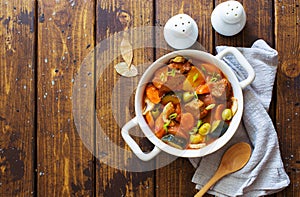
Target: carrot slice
<point>159,124</point>
<point>149,119</point>
<point>160,133</point>
<point>187,122</point>
<point>218,112</point>
<point>153,94</point>
<point>202,89</point>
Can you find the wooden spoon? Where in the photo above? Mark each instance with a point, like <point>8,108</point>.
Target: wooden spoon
<point>233,160</point>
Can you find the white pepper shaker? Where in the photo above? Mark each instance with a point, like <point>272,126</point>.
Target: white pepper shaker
<point>181,31</point>
<point>228,18</point>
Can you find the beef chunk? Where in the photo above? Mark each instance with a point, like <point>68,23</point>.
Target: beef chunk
<point>175,83</point>
<point>196,108</point>
<point>181,67</point>
<point>160,77</point>
<point>220,89</point>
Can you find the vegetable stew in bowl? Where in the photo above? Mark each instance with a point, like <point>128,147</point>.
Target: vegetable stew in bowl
<point>188,105</point>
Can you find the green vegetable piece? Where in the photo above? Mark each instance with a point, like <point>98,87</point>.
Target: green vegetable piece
<point>163,77</point>
<point>176,142</point>
<point>173,116</point>
<point>155,113</point>
<point>211,106</point>
<point>166,126</point>
<point>196,96</point>
<point>178,59</point>
<point>224,128</point>
<point>215,125</point>
<point>195,129</point>
<point>172,73</point>
<point>204,129</point>
<point>195,77</point>
<point>214,79</point>
<point>170,98</point>
<point>203,69</point>
<point>219,127</point>
<point>226,114</point>
<point>199,123</point>
<point>187,96</point>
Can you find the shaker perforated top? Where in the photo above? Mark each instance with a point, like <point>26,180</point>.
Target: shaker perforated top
<point>181,31</point>
<point>228,18</point>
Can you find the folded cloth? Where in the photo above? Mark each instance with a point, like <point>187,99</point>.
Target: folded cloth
<point>264,173</point>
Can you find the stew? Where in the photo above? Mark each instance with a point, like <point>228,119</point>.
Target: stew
<point>188,106</point>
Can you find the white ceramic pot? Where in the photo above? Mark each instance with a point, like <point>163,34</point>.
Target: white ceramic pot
<point>159,144</point>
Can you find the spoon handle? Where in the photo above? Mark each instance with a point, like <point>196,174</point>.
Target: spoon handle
<point>210,183</point>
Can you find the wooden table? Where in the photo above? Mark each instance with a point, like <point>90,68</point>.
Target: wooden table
<point>43,44</point>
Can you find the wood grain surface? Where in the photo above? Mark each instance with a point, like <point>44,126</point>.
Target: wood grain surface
<point>17,100</point>
<point>113,18</point>
<point>62,104</point>
<point>65,32</point>
<point>287,39</point>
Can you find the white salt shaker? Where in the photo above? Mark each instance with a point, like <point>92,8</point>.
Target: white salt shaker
<point>228,18</point>
<point>181,31</point>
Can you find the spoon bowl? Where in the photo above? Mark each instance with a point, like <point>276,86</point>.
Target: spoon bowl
<point>234,159</point>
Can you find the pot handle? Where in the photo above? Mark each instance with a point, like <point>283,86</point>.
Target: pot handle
<point>243,62</point>
<point>134,146</point>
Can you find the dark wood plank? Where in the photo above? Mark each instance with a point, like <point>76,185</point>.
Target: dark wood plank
<point>259,25</point>
<point>287,35</point>
<point>112,180</point>
<point>17,98</point>
<point>175,178</point>
<point>65,37</point>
